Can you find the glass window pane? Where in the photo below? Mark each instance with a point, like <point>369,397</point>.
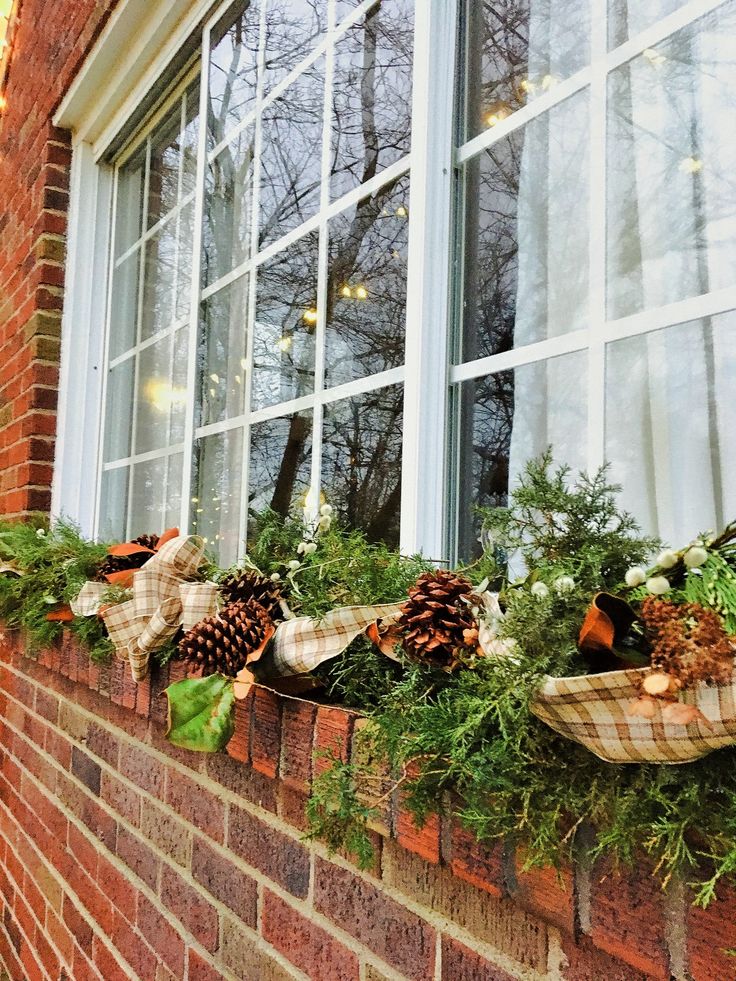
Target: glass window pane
<point>159,280</point>
<point>366,312</point>
<point>280,464</point>
<point>190,139</point>
<point>129,205</point>
<point>147,502</point>
<point>124,305</point>
<point>172,503</point>
<point>671,426</point>
<point>221,355</point>
<point>518,49</point>
<point>285,324</point>
<point>162,394</point>
<point>526,234</point>
<point>226,236</point>
<point>163,174</point>
<point>113,505</point>
<point>217,498</point>
<point>507,418</point>
<point>119,410</point>
<point>291,156</point>
<point>233,71</point>
<point>626,19</point>
<point>361,461</point>
<point>671,160</point>
<point>371,95</point>
<point>292,29</point>
<point>184,234</point>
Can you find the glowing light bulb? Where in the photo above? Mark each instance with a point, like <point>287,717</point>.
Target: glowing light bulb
<point>215,378</point>
<point>361,293</point>
<point>162,395</point>
<point>654,57</point>
<point>195,500</point>
<point>238,379</point>
<point>691,165</point>
<point>549,81</point>
<point>243,364</point>
<point>3,103</point>
<point>346,292</point>
<point>310,316</point>
<point>284,343</point>
<point>401,211</point>
<point>213,392</point>
<point>528,86</point>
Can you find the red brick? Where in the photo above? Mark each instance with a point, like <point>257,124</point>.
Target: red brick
<point>138,857</point>
<point>584,962</point>
<point>133,948</point>
<point>333,731</point>
<point>239,745</point>
<point>121,797</point>
<point>279,857</point>
<point>306,945</point>
<point>122,892</point>
<point>78,926</point>
<point>102,742</point>
<point>106,963</point>
<point>162,937</point>
<point>190,907</point>
<point>86,770</point>
<point>423,839</point>
<point>395,934</point>
<point>711,932</point>
<point>478,863</point>
<point>143,769</point>
<point>548,892</point>
<point>200,969</point>
<point>297,736</point>
<point>47,705</point>
<point>225,881</point>
<point>627,917</point>
<point>196,805</point>
<point>266,731</point>
<point>459,962</point>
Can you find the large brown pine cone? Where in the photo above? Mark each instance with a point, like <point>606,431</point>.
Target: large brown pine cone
<point>246,584</point>
<point>436,621</point>
<point>223,642</point>
<point>122,563</point>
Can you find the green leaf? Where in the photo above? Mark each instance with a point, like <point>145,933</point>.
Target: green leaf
<point>201,713</point>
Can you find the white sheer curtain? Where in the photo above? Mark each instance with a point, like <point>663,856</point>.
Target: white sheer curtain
<point>671,210</point>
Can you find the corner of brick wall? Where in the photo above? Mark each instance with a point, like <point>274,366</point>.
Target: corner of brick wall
<point>123,857</point>
<point>49,44</point>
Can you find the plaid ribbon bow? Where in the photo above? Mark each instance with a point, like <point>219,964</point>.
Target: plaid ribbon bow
<point>163,600</point>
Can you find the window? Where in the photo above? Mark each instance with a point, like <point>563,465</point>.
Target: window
<point>294,318</point>
<point>258,297</point>
<point>597,242</point>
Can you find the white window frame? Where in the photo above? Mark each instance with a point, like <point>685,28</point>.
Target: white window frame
<point>96,112</point>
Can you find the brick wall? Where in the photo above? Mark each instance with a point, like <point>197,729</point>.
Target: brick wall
<point>121,856</point>
<point>49,44</point>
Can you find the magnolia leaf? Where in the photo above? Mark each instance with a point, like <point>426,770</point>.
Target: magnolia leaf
<point>201,713</point>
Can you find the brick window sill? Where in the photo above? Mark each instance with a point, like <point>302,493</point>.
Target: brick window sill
<point>211,874</point>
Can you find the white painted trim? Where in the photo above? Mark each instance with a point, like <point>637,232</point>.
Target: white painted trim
<point>82,343</point>
<point>138,42</point>
<point>423,485</point>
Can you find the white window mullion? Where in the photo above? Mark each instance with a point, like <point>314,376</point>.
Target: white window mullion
<point>252,288</point>
<point>428,281</point>
<point>597,238</point>
<point>196,279</point>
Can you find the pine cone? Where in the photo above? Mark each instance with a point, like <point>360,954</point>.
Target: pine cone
<point>247,584</point>
<point>122,563</point>
<point>224,641</point>
<point>435,619</point>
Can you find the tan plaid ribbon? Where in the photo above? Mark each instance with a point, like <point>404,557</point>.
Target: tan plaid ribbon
<point>303,643</point>
<point>592,710</point>
<point>162,601</point>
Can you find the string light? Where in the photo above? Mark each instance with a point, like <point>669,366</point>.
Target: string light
<point>549,81</point>
<point>215,378</point>
<point>243,364</point>
<point>310,316</point>
<point>401,211</point>
<point>654,57</point>
<point>528,86</point>
<point>346,292</point>
<point>284,343</point>
<point>361,293</point>
<point>691,165</point>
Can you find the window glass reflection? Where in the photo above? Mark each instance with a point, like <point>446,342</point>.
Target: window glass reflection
<point>113,505</point>
<point>119,404</point>
<point>285,324</point>
<point>506,419</point>
<point>147,507</point>
<point>361,461</point>
<point>222,352</point>
<point>366,313</point>
<point>159,280</point>
<point>216,497</point>
<point>226,235</point>
<point>129,205</point>
<point>280,464</point>
<point>124,308</point>
<point>233,71</point>
<point>516,50</point>
<point>626,18</point>
<point>291,155</point>
<point>526,234</point>
<point>163,175</point>
<point>371,95</point>
<point>671,160</point>
<point>292,29</point>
